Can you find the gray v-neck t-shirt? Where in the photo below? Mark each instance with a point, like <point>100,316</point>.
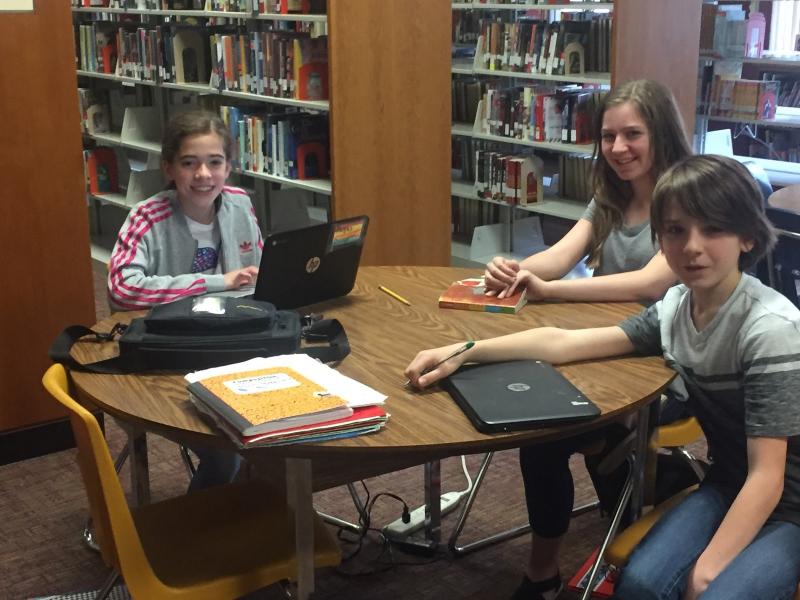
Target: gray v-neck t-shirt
<point>626,248</point>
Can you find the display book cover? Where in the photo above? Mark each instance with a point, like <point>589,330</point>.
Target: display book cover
<point>470,294</point>
<point>603,582</point>
<point>284,396</point>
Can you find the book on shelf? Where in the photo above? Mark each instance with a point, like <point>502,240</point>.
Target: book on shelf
<point>188,63</point>
<point>470,294</point>
<point>94,108</point>
<point>604,579</point>
<point>311,68</point>
<point>101,170</point>
<point>280,397</point>
<point>768,92</point>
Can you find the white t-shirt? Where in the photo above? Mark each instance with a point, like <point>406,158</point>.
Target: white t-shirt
<point>206,256</point>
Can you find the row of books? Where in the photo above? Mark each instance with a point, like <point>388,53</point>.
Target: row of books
<point>466,26</point>
<point>742,98</point>
<point>286,399</point>
<point>538,46</point>
<point>286,64</point>
<point>467,214</point>
<point>272,63</point>
<point>514,179</point>
<point>469,157</point>
<point>466,94</point>
<point>289,144</point>
<point>727,31</point>
<point>575,177</point>
<point>462,155</point>
<point>95,50</point>
<point>789,94</point>
<point>775,144</point>
<point>532,2</point>
<point>253,6</point>
<point>540,113</point>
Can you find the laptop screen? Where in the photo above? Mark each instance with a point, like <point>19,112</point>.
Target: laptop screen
<point>304,266</point>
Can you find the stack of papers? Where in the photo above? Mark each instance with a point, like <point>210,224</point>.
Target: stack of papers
<point>285,399</point>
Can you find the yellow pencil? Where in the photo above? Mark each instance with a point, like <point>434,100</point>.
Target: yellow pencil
<point>394,295</point>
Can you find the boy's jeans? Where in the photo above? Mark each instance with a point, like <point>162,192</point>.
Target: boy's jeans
<point>768,568</point>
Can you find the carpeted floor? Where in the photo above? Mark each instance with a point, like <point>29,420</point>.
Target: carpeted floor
<point>44,509</point>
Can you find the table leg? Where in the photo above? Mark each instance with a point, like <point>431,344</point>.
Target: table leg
<point>433,504</point>
<point>300,497</point>
<point>140,467</point>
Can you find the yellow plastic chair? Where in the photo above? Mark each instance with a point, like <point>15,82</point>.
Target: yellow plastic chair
<point>672,437</point>
<point>676,436</point>
<point>223,542</point>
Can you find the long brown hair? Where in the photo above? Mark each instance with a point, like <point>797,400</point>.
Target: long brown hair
<point>656,106</point>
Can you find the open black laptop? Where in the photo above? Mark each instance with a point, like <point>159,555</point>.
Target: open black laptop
<point>523,394</point>
<point>312,264</point>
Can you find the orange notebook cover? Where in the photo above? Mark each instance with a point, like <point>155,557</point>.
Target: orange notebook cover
<point>470,294</point>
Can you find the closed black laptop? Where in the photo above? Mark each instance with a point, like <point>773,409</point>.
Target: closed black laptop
<point>510,396</point>
<point>312,264</point>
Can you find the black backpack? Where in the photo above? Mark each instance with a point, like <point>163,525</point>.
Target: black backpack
<point>176,337</point>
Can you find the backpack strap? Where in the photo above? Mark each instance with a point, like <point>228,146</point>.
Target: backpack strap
<point>326,330</point>
<point>118,365</point>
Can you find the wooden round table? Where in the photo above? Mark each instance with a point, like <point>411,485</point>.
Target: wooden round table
<point>385,334</point>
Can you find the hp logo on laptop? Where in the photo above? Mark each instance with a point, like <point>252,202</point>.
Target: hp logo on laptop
<point>312,264</point>
<point>518,387</point>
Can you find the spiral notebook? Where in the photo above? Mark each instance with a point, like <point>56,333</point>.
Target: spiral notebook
<point>514,395</point>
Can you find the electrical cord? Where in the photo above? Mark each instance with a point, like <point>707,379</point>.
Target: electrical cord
<point>467,476</point>
<point>386,548</point>
<point>365,519</point>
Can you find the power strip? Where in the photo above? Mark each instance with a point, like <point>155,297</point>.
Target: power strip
<point>399,530</point>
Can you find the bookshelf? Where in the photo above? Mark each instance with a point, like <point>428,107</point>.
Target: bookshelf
<point>773,143</point>
<point>640,32</point>
<point>387,114</point>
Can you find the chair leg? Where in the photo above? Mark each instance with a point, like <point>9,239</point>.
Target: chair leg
<point>108,585</point>
<point>691,459</point>
<point>88,534</point>
<point>187,461</point>
<point>498,537</point>
<point>612,529</point>
<point>360,508</point>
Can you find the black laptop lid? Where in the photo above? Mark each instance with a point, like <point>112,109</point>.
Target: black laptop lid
<point>312,264</point>
<point>515,395</point>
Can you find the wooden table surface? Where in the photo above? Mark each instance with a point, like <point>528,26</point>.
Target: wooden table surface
<point>385,334</point>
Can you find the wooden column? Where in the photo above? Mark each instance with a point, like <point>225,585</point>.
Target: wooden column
<point>44,238</point>
<point>658,39</point>
<point>390,125</point>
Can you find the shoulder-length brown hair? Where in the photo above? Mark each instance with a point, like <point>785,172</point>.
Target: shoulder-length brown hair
<point>657,108</point>
<point>721,192</point>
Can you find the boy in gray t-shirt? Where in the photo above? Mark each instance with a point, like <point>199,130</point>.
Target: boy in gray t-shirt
<point>735,343</point>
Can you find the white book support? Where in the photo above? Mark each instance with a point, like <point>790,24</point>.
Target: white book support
<point>489,241</point>
<point>143,184</point>
<point>141,125</point>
